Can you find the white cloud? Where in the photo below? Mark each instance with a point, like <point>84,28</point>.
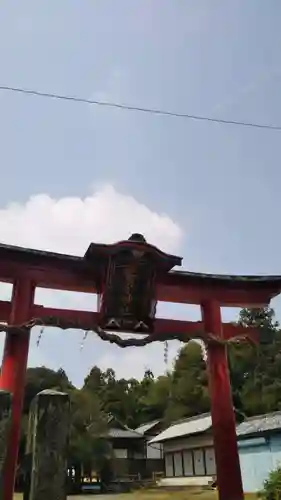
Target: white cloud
<point>69,225</point>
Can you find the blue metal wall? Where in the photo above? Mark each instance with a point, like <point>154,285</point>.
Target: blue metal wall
<point>258,457</point>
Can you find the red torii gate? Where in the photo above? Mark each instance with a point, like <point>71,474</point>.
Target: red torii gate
<point>129,278</point>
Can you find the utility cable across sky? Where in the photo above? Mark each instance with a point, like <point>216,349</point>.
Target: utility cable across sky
<point>152,111</point>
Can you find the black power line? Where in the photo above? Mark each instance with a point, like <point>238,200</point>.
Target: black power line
<point>152,111</point>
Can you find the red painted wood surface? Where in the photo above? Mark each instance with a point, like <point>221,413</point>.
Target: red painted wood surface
<point>162,326</point>
<point>227,297</point>
<point>174,287</point>
<point>223,420</point>
<point>13,374</point>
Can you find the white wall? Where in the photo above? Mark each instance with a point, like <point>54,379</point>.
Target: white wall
<point>121,453</point>
<point>258,457</point>
<point>169,467</point>
<point>210,461</point>
<point>190,457</point>
<point>205,440</point>
<point>185,481</point>
<point>154,450</point>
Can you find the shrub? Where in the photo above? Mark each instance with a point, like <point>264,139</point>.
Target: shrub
<point>272,486</point>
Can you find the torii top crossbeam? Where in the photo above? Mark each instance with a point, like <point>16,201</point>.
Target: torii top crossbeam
<point>71,273</point>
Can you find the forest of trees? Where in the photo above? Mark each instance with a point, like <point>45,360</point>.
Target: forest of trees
<point>255,373</point>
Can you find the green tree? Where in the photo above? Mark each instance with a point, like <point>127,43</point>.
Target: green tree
<point>263,318</point>
<point>89,446</point>
<point>41,378</point>
<point>190,381</point>
<point>157,398</point>
<point>183,391</point>
<point>140,411</point>
<point>95,381</point>
<point>256,371</point>
<point>118,397</point>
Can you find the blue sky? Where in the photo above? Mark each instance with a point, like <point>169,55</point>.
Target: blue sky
<point>209,192</point>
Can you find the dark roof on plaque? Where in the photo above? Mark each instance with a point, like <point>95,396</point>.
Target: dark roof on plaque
<point>135,242</point>
<point>77,263</point>
<point>260,424</point>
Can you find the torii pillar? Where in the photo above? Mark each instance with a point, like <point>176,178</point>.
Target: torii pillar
<point>229,479</point>
<point>13,373</point>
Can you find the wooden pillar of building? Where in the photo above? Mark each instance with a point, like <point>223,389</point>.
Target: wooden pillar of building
<point>13,374</point>
<point>223,419</point>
